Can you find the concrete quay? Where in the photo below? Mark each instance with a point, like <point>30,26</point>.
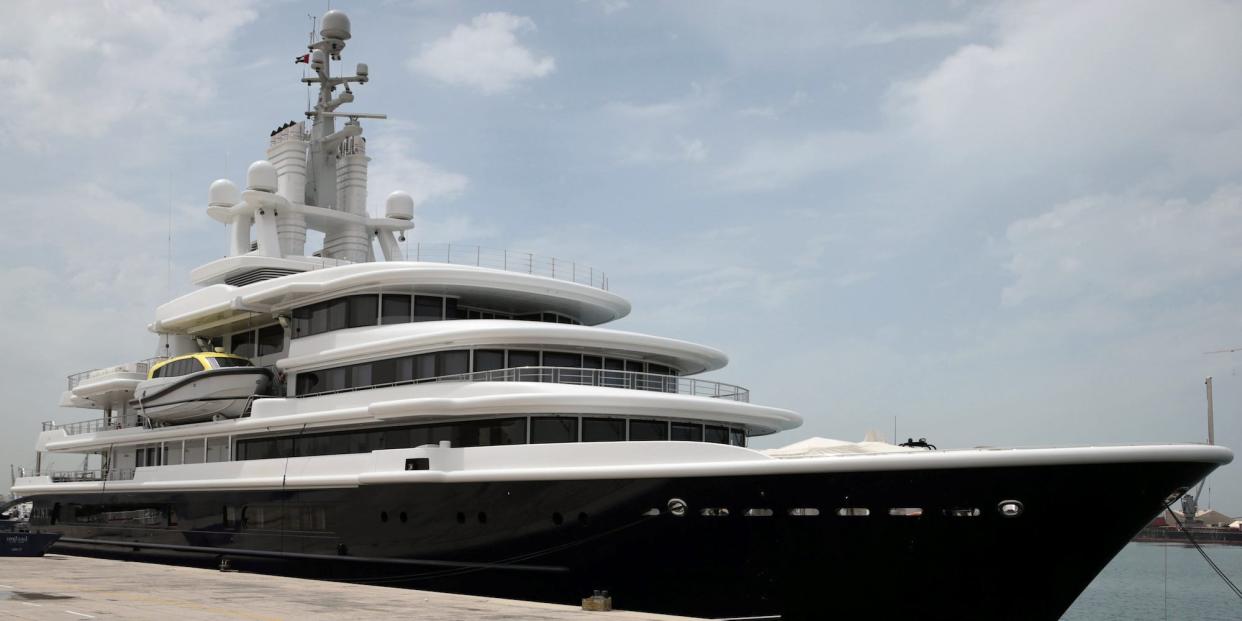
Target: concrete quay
<point>69,588</point>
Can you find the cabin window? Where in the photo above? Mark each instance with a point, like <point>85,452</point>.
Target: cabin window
<point>737,437</point>
<point>561,359</point>
<point>396,309</point>
<point>687,432</point>
<point>243,344</point>
<point>453,362</point>
<point>363,310</point>
<point>217,449</point>
<point>553,429</point>
<point>271,340</point>
<point>338,314</point>
<point>519,358</point>
<point>648,430</point>
<point>224,363</point>
<point>489,359</point>
<point>428,308</point>
<point>603,429</point>
<point>716,435</point>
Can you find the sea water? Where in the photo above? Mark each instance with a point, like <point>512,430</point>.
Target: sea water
<point>1163,581</point>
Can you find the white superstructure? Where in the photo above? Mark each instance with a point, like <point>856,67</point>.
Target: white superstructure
<point>364,339</point>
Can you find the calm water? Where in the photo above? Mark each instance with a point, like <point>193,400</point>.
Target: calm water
<point>1133,587</point>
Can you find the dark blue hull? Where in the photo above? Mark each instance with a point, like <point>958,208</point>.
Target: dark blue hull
<point>26,544</point>
<point>558,541</point>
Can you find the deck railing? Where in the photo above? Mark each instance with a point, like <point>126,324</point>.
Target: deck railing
<point>87,476</point>
<point>99,424</point>
<point>142,367</point>
<point>509,261</point>
<point>606,378</point>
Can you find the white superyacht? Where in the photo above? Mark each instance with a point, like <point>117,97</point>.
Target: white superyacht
<point>456,419</point>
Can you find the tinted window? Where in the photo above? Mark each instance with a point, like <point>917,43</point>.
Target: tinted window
<point>424,366</point>
<point>428,308</point>
<point>301,321</point>
<point>687,432</point>
<point>271,340</point>
<point>641,430</point>
<point>308,383</point>
<point>550,430</point>
<point>396,308</point>
<point>453,362</point>
<point>319,318</point>
<point>384,371</point>
<point>363,310</point>
<point>243,344</point>
<point>737,437</point>
<point>360,375</point>
<point>592,362</point>
<point>718,435</point>
<point>450,308</point>
<point>489,359</point>
<point>561,359</point>
<point>519,358</point>
<point>224,363</point>
<point>603,430</point>
<point>338,314</point>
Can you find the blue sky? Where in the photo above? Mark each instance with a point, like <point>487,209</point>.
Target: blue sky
<point>1002,224</point>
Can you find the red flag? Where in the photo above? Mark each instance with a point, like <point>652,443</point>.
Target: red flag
<point>305,58</point>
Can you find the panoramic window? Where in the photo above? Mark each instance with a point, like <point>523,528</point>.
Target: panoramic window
<point>553,429</point>
<point>648,430</point>
<point>396,308</point>
<point>603,429</point>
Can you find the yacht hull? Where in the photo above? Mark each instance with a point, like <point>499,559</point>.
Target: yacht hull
<point>558,541</point>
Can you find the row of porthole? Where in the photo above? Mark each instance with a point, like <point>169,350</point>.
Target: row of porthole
<point>1007,508</point>
<point>557,518</point>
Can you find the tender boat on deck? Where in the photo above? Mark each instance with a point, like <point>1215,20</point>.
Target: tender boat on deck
<point>200,386</point>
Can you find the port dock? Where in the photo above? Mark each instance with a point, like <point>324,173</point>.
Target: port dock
<point>74,588</point>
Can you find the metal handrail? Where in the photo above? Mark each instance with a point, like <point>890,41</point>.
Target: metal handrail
<point>99,424</point>
<point>142,366</point>
<point>509,261</point>
<point>606,378</point>
<point>87,476</point>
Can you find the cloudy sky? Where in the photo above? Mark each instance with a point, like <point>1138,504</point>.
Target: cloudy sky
<point>995,224</point>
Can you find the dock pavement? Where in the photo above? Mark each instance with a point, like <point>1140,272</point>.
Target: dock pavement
<point>71,588</point>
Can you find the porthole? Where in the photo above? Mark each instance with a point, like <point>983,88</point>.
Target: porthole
<point>404,518</point>
<point>384,516</point>
<point>804,511</point>
<point>482,517</point>
<point>760,512</point>
<point>906,511</point>
<point>1010,508</point>
<point>677,506</point>
<point>969,512</point>
<point>558,519</point>
<point>714,512</point>
<point>582,519</point>
<point>461,517</point>
<point>853,512</point>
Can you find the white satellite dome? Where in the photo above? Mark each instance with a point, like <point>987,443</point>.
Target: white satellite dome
<point>223,193</point>
<point>335,25</point>
<point>261,176</point>
<point>399,206</point>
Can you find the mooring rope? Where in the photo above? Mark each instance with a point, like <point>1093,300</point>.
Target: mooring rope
<point>1210,562</point>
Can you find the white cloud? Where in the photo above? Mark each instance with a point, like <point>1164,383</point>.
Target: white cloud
<point>393,167</point>
<point>1094,83</point>
<point>877,35</point>
<point>484,54</point>
<point>78,69</point>
<point>1124,249</point>
<point>776,164</point>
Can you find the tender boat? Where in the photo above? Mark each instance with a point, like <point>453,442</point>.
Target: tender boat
<point>459,419</point>
<point>200,386</point>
